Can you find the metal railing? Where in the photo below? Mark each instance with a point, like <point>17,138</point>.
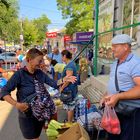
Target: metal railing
<point>96,47</point>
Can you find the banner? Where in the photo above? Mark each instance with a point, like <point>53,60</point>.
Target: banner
<point>83,36</point>
<point>67,38</point>
<point>51,34</point>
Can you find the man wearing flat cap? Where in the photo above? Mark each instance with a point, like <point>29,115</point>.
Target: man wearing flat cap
<point>123,92</point>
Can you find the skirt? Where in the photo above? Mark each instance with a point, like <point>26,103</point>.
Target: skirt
<point>30,127</point>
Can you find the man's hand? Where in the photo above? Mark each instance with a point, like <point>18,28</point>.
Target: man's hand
<point>102,102</point>
<point>111,100</point>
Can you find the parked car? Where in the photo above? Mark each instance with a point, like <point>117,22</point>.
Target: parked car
<point>8,57</point>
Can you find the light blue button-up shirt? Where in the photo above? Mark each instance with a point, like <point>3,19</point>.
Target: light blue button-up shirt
<point>57,57</point>
<point>126,71</point>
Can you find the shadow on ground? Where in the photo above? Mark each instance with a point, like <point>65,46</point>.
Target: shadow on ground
<point>10,129</point>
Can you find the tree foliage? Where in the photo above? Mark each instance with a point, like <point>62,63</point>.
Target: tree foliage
<point>41,24</point>
<point>9,20</point>
<point>10,25</point>
<point>5,3</point>
<point>80,13</point>
<point>30,32</point>
<point>34,30</point>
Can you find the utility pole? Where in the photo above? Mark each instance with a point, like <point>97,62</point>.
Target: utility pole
<point>21,35</point>
<point>132,18</point>
<point>96,2</point>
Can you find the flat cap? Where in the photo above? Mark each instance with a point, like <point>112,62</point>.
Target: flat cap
<point>121,39</point>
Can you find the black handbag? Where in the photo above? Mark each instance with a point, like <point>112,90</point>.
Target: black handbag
<point>124,109</point>
<point>66,96</point>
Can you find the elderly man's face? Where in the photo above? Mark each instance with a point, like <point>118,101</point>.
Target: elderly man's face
<point>55,50</point>
<point>119,50</point>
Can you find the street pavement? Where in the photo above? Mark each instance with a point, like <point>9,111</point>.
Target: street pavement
<point>9,127</point>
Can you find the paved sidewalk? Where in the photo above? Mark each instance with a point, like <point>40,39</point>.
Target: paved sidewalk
<point>9,127</point>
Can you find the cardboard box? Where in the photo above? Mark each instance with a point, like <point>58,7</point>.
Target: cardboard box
<point>76,132</point>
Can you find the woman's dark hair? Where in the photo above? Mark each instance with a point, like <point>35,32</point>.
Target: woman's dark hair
<point>44,51</point>
<point>33,53</point>
<point>53,62</point>
<point>67,54</point>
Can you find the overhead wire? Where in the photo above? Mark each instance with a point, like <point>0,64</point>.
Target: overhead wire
<point>32,7</point>
<point>42,9</point>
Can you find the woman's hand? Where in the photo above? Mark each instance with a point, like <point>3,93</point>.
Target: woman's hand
<point>60,89</point>
<point>71,79</point>
<point>22,106</point>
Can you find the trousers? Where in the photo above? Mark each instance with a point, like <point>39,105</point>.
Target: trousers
<point>130,127</point>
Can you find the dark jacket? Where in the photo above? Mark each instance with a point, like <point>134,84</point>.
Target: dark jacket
<point>24,82</point>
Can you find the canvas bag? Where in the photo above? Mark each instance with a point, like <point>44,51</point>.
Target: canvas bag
<point>41,105</point>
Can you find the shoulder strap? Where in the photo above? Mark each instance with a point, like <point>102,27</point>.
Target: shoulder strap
<point>52,55</point>
<point>116,79</point>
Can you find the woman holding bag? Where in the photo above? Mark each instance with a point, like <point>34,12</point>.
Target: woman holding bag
<point>69,70</point>
<point>28,81</point>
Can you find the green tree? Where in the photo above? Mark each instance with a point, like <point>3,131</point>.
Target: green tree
<point>41,24</point>
<point>30,33</point>
<point>80,13</point>
<point>8,20</point>
<point>5,3</point>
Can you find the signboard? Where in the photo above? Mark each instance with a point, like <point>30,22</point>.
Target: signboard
<point>67,38</point>
<point>51,34</point>
<point>83,36</point>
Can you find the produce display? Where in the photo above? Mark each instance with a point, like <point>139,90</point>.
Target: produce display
<point>55,127</point>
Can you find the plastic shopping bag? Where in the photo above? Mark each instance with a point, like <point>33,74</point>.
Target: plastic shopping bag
<point>110,121</point>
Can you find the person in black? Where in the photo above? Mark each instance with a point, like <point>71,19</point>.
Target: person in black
<point>25,81</point>
<point>90,55</point>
